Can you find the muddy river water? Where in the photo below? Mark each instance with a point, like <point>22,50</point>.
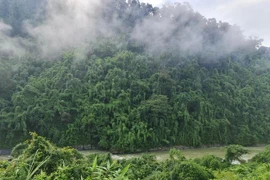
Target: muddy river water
<point>188,153</point>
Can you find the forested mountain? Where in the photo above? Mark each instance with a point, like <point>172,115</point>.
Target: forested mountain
<point>129,76</point>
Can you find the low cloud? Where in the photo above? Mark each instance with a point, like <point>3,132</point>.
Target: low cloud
<point>252,16</point>
<point>68,23</point>
<point>178,28</point>
<point>12,45</point>
<point>72,23</point>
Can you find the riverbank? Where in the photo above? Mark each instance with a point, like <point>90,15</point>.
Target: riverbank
<point>190,153</point>
<point>157,149</point>
<point>163,154</point>
<point>5,152</point>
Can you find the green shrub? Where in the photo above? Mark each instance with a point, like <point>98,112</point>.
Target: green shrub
<point>263,157</point>
<point>191,171</point>
<point>235,152</point>
<point>210,161</point>
<point>18,149</point>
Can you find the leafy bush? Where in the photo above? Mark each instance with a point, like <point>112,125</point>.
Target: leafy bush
<point>140,167</point>
<point>18,149</point>
<point>38,159</point>
<point>102,159</point>
<point>211,162</point>
<point>235,152</point>
<point>263,157</point>
<point>192,171</point>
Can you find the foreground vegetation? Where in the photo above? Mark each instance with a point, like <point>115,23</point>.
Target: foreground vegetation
<point>38,159</point>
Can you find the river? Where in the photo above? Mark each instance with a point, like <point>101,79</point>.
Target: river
<point>188,153</point>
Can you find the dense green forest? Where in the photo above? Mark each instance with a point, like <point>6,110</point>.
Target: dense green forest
<point>163,77</point>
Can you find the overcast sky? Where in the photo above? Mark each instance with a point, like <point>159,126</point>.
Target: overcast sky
<point>252,16</point>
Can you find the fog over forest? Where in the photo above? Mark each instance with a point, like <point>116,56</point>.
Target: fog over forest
<point>54,26</point>
<point>250,15</point>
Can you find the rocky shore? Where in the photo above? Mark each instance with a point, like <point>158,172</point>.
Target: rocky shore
<point>5,152</point>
